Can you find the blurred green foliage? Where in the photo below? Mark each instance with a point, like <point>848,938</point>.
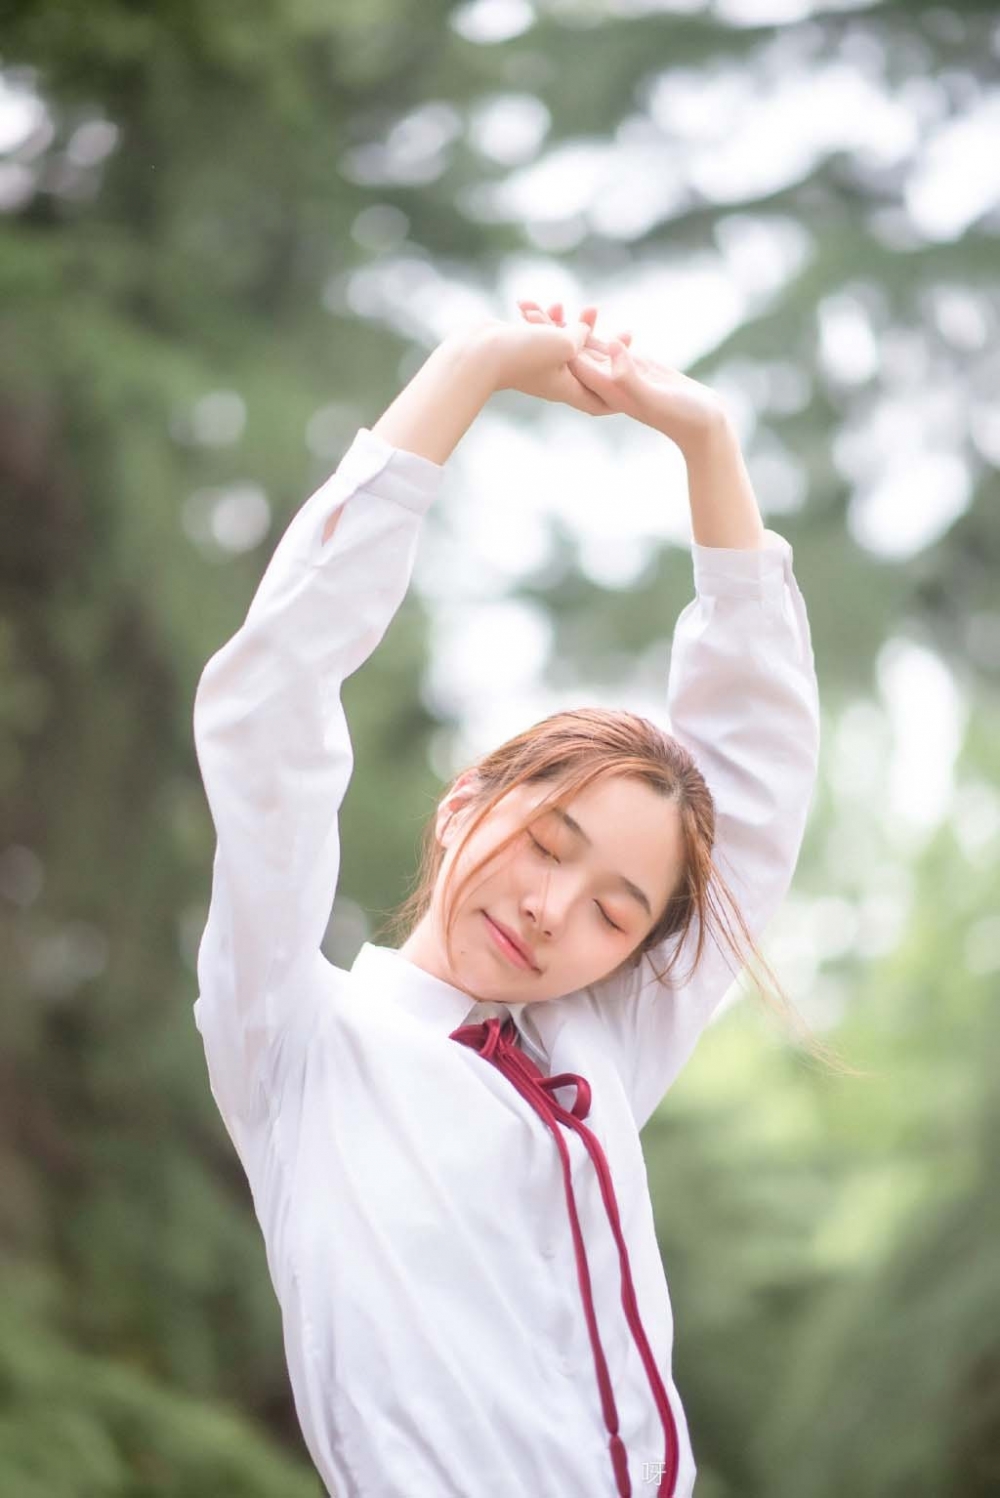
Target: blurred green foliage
<point>831,1245</point>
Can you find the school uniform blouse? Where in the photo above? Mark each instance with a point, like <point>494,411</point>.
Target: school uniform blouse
<point>412,1203</point>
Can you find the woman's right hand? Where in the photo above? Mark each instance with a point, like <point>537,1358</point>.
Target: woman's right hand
<point>568,388</point>
<point>533,356</point>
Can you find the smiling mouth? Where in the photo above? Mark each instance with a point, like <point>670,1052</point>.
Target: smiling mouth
<point>507,947</point>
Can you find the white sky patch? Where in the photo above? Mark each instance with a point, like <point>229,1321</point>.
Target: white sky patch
<point>491,717</point>
<point>848,340</point>
<point>508,128</point>
<point>225,521</point>
<point>761,255</point>
<point>903,454</point>
<point>778,12</point>
<point>779,479</point>
<point>958,177</point>
<point>738,142</point>
<point>566,181</point>
<point>420,300</point>
<point>858,854</point>
<point>655,7</point>
<point>884,912</point>
<point>22,114</point>
<point>414,152</point>
<point>620,500</point>
<point>859,746</point>
<point>492,523</point>
<point>912,505</point>
<point>488,21</point>
<point>834,925</point>
<point>505,643</point>
<point>964,315</point>
<point>928,715</point>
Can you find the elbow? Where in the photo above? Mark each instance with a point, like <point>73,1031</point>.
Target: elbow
<point>203,709</point>
<point>219,707</point>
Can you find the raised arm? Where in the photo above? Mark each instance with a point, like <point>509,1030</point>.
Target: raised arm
<point>742,697</point>
<point>270,733</point>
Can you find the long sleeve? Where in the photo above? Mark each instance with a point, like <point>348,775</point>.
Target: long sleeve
<point>276,759</point>
<point>742,698</point>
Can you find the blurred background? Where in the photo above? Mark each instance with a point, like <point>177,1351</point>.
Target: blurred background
<point>228,235</point>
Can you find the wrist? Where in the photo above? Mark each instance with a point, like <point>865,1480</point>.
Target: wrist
<point>475,351</point>
<point>435,410</point>
<point>724,509</point>
<point>713,432</point>
<point>707,431</point>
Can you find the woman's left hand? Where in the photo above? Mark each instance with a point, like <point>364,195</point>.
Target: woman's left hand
<point>651,392</point>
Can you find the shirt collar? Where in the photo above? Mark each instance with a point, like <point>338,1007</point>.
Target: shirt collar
<point>438,1003</point>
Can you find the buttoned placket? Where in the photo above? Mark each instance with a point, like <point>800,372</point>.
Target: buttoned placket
<point>497,1043</point>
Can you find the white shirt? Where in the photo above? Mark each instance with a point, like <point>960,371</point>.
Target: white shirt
<point>411,1202</point>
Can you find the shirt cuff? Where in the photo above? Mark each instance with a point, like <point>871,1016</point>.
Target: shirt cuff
<point>373,464</point>
<point>742,571</point>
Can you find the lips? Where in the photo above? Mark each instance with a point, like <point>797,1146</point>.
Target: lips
<point>519,946</point>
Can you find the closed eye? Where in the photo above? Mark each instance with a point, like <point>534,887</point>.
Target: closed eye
<point>542,850</point>
<point>545,852</point>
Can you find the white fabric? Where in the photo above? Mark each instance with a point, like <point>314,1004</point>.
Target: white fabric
<point>411,1202</point>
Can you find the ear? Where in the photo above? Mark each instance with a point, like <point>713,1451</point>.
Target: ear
<point>451,810</point>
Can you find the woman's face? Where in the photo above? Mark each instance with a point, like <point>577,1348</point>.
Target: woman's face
<point>580,889</point>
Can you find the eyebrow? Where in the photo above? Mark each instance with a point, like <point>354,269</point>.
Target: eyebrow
<point>574,826</point>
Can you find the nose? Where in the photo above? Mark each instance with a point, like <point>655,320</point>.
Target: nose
<point>549,905</point>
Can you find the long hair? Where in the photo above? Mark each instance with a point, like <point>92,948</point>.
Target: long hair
<point>571,750</point>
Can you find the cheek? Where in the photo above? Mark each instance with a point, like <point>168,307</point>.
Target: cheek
<point>478,863</point>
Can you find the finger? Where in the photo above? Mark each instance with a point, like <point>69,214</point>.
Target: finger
<point>581,333</point>
<point>623,369</point>
<point>618,354</point>
<point>592,404</point>
<point>581,399</point>
<point>593,375</point>
<point>598,358</point>
<point>602,347</point>
<point>605,375</point>
<point>557,315</point>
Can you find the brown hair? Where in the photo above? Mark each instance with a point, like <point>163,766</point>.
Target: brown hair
<point>574,749</point>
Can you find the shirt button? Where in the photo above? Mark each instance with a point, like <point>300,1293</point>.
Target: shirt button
<point>548,1250</point>
<point>567,1366</point>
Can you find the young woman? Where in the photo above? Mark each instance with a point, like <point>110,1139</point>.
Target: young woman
<point>443,1143</point>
